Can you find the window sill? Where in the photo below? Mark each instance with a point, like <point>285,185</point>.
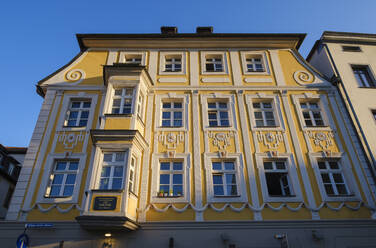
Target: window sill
<point>108,190</point>
<point>57,197</point>
<point>365,87</point>
<point>226,196</point>
<point>170,196</point>
<point>118,115</point>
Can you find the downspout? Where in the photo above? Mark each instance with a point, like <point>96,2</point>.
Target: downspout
<point>346,99</point>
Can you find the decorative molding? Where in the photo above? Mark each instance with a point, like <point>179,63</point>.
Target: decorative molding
<point>303,77</point>
<point>75,75</point>
<point>321,139</point>
<point>172,80</point>
<point>45,210</point>
<point>258,80</point>
<point>270,139</point>
<point>215,80</point>
<point>221,140</point>
<point>171,140</point>
<point>70,140</point>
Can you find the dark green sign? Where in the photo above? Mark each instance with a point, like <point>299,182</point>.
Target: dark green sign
<point>105,203</point>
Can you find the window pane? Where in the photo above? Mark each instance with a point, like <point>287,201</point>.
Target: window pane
<point>222,105</point>
<point>116,183</point>
<point>280,165</point>
<point>68,190</point>
<point>178,123</point>
<point>230,179</point>
<point>341,189</point>
<point>106,171</point>
<point>258,115</point>
<point>61,165</point>
<point>82,123</point>
<point>225,123</point>
<point>211,105</point>
<point>231,190</point>
<point>84,114</point>
<point>120,156</point>
<point>259,123</point>
<point>118,172</point>
<point>217,179</point>
<point>223,114</point>
<point>164,188</point>
<point>165,123</point>
<point>71,179</point>
<point>269,115</point>
<point>76,104</point>
<point>325,178</point>
<point>166,115</point>
<point>213,123</point>
<point>322,165</point>
<point>55,190</point>
<point>166,105</point>
<point>333,165</point>
<point>178,190</point>
<point>217,166</point>
<point>218,190</point>
<point>177,179</point>
<point>270,122</point>
<point>116,103</point>
<point>212,116</point>
<point>164,179</point>
<point>177,166</point>
<point>107,157</point>
<point>73,166</point>
<point>267,105</point>
<point>165,166</point>
<point>177,105</point>
<point>329,189</point>
<point>58,179</point>
<point>268,165</point>
<point>256,105</point>
<point>118,92</point>
<point>104,183</point>
<point>178,115</point>
<point>337,178</point>
<point>87,104</point>
<point>229,166</point>
<point>73,115</point>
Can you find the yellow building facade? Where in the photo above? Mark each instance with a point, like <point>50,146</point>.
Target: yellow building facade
<point>157,138</point>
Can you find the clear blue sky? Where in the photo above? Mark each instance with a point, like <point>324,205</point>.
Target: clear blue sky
<point>38,37</point>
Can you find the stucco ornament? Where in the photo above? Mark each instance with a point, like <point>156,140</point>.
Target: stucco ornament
<point>70,140</point>
<point>303,77</point>
<point>322,139</point>
<point>221,140</point>
<point>171,140</point>
<point>75,75</point>
<point>269,139</point>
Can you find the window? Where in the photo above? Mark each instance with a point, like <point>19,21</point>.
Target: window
<point>133,59</point>
<point>264,114</point>
<point>214,63</point>
<point>224,178</point>
<point>218,114</point>
<point>363,76</point>
<point>112,171</point>
<point>132,175</point>
<point>11,169</point>
<point>254,64</point>
<point>122,101</point>
<point>332,178</point>
<point>172,114</point>
<point>277,178</point>
<point>311,114</point>
<point>140,104</point>
<point>171,178</point>
<point>63,179</point>
<point>351,49</point>
<point>173,63</point>
<point>77,114</point>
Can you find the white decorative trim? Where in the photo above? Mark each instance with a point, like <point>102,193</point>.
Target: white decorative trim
<point>59,209</point>
<point>277,67</point>
<point>162,64</point>
<point>75,75</point>
<point>215,80</point>
<point>262,54</point>
<point>172,80</point>
<point>258,80</point>
<point>194,68</point>
<point>112,56</point>
<point>239,168</point>
<point>70,140</point>
<point>292,173</point>
<point>185,198</point>
<point>203,55</point>
<point>302,77</point>
<point>48,169</point>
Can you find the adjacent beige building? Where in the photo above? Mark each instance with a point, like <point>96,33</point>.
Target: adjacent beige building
<point>349,59</point>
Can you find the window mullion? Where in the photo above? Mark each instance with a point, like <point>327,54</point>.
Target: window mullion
<point>332,182</point>
<point>63,183</point>
<point>311,116</point>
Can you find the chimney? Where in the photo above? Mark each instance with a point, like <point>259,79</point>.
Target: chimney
<point>204,30</point>
<point>169,30</point>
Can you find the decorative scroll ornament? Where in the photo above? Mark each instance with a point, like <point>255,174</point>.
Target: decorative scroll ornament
<point>303,77</point>
<point>171,140</point>
<point>70,140</point>
<point>270,140</point>
<point>75,75</point>
<point>321,139</point>
<point>221,140</point>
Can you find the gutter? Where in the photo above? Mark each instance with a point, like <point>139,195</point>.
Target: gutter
<point>350,108</point>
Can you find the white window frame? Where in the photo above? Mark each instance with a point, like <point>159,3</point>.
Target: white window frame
<point>217,97</point>
<point>223,172</point>
<point>347,173</point>
<point>168,54</point>
<point>112,164</point>
<point>134,167</point>
<point>275,101</point>
<point>49,166</point>
<point>239,173</point>
<point>122,98</point>
<point>140,105</point>
<point>155,172</point>
<point>67,99</point>
<point>260,54</point>
<point>171,97</point>
<point>371,75</point>
<point>323,105</point>
<point>292,173</point>
<point>64,173</point>
<point>124,54</point>
<point>206,54</point>
<point>172,110</point>
<point>80,110</point>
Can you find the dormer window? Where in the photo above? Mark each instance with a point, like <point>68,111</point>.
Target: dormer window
<point>133,59</point>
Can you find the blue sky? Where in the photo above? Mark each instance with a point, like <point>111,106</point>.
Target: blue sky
<point>38,37</point>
